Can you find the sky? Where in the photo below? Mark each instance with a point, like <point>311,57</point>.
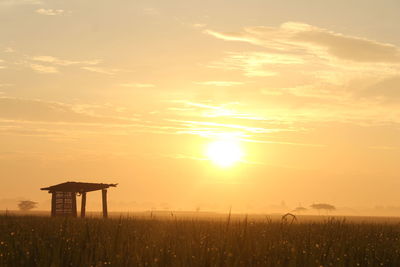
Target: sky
<point>134,93</point>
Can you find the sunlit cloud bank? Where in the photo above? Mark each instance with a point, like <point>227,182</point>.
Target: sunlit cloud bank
<point>333,77</point>
<point>308,40</point>
<point>320,54</point>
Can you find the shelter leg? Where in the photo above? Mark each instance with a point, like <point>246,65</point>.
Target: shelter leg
<point>83,205</point>
<point>53,204</point>
<point>74,212</point>
<point>104,198</point>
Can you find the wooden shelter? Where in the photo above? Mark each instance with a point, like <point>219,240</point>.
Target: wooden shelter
<point>63,197</point>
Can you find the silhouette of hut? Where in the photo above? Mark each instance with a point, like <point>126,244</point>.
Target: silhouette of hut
<point>63,197</point>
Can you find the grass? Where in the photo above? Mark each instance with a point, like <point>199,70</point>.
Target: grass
<point>42,241</point>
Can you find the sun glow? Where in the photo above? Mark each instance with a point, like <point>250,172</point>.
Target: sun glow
<point>224,153</point>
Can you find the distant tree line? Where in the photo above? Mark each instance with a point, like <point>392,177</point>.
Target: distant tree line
<point>316,206</point>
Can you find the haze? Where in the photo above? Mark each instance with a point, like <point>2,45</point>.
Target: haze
<point>133,92</point>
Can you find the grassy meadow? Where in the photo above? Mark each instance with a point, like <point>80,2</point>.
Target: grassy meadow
<point>151,241</point>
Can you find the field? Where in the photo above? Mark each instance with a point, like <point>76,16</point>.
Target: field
<point>174,241</point>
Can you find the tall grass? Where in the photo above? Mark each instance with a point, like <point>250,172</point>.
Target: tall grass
<point>42,241</point>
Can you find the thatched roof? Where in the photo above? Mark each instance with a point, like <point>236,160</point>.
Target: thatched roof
<point>77,187</point>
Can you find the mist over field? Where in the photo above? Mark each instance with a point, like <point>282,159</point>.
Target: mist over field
<point>211,104</point>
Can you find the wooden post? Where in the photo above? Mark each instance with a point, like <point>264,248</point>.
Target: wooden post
<point>53,204</point>
<point>74,212</point>
<point>83,205</point>
<point>104,197</point>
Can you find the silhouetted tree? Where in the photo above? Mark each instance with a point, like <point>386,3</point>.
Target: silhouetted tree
<point>26,205</point>
<point>323,206</point>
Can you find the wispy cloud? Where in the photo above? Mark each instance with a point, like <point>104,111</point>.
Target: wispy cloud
<point>213,121</point>
<point>219,83</point>
<point>384,148</point>
<point>20,2</point>
<point>64,62</point>
<point>29,117</point>
<point>9,50</point>
<point>12,108</point>
<point>50,12</point>
<point>184,156</point>
<point>223,126</point>
<point>384,90</point>
<point>256,64</point>
<point>151,11</point>
<point>298,37</point>
<point>51,64</point>
<point>43,69</point>
<point>138,85</point>
<point>101,70</point>
<point>282,143</point>
<point>199,25</point>
<point>214,111</point>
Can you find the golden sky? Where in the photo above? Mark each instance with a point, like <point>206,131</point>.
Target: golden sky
<point>136,93</point>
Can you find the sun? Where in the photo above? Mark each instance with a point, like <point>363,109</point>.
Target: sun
<point>224,153</point>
